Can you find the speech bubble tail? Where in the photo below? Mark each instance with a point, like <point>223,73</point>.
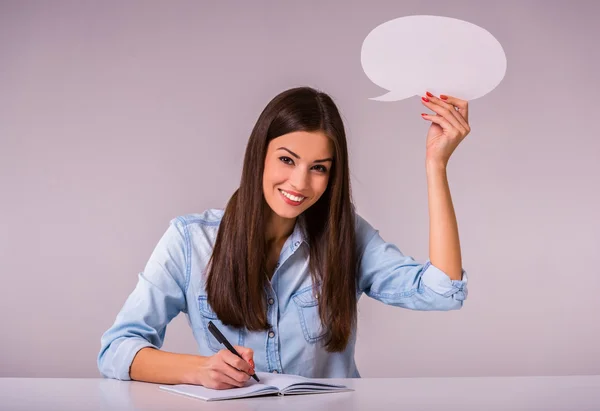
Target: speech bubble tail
<point>391,96</point>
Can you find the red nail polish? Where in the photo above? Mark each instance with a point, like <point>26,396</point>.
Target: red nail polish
<point>425,99</point>
<point>429,94</point>
<point>423,114</point>
<point>443,97</point>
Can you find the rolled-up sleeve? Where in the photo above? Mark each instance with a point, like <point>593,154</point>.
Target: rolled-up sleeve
<point>157,298</point>
<point>387,275</point>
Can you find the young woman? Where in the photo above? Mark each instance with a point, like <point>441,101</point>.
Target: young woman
<point>281,269</point>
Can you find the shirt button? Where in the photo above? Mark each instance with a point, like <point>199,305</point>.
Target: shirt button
<point>275,372</point>
<point>297,243</point>
<point>271,334</point>
<point>277,265</point>
<point>271,301</point>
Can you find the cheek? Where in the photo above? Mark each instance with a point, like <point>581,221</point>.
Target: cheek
<point>320,185</point>
<point>274,174</point>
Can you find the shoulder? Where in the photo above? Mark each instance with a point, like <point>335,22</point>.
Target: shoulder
<point>199,226</point>
<point>363,229</point>
<point>209,218</point>
<point>364,232</point>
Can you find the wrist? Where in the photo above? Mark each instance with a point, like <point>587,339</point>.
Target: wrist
<point>435,166</point>
<point>192,369</point>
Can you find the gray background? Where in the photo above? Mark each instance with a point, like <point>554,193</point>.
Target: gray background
<point>117,116</point>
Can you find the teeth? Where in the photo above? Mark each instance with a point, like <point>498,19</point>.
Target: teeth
<point>291,197</point>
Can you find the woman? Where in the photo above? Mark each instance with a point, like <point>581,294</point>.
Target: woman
<point>281,269</point>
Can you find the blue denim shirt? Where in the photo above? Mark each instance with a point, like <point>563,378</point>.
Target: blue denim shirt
<point>173,281</point>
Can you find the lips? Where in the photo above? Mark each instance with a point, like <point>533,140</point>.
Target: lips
<point>293,193</point>
<point>287,197</point>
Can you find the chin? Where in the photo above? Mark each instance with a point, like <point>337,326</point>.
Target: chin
<point>283,213</point>
<point>286,211</point>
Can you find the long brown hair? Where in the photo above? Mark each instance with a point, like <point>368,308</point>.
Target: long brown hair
<point>237,267</point>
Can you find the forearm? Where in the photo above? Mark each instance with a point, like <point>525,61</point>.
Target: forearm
<point>152,365</point>
<point>444,244</point>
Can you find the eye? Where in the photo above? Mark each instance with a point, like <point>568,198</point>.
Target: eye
<point>286,160</point>
<point>322,169</point>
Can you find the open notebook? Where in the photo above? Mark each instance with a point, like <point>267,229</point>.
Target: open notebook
<point>282,384</point>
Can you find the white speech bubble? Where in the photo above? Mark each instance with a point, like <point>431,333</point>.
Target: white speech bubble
<point>413,54</point>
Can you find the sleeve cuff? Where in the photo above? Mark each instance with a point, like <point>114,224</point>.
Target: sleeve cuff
<point>125,354</point>
<point>440,283</point>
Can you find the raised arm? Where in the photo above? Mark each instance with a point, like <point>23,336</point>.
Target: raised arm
<point>450,125</point>
<point>439,283</point>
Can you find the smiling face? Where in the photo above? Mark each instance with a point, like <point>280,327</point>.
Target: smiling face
<point>297,169</point>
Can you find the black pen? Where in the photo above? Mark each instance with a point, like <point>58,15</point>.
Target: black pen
<point>221,338</point>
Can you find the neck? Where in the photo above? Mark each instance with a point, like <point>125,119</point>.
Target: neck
<point>278,229</point>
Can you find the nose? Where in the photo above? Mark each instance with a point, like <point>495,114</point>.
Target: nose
<point>300,179</point>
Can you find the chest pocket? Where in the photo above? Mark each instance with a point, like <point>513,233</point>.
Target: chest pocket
<point>308,311</point>
<point>234,335</point>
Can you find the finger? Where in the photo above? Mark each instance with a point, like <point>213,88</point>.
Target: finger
<point>436,119</point>
<point>230,381</point>
<point>463,105</point>
<point>219,381</point>
<point>238,377</point>
<point>451,121</point>
<point>235,362</point>
<point>451,108</point>
<point>236,367</point>
<point>445,110</point>
<point>246,353</point>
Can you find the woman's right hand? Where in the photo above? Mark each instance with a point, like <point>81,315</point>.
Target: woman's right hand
<point>224,369</point>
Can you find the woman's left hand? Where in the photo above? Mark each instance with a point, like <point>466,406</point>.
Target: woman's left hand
<point>450,125</point>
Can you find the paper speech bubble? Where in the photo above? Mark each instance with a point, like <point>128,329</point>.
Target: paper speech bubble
<point>413,54</point>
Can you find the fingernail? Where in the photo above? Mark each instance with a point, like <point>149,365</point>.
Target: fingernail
<point>425,99</point>
<point>251,371</point>
<point>251,363</point>
<point>429,94</point>
<point>423,114</point>
<point>443,97</point>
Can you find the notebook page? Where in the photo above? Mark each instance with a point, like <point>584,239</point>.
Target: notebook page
<point>313,389</point>
<point>281,381</point>
<point>208,394</point>
<point>286,381</point>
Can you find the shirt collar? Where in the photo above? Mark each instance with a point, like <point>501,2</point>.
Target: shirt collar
<point>297,236</point>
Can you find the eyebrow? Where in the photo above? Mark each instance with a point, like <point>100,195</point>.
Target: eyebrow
<point>298,157</point>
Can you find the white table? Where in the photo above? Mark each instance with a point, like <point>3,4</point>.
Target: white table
<point>573,393</point>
